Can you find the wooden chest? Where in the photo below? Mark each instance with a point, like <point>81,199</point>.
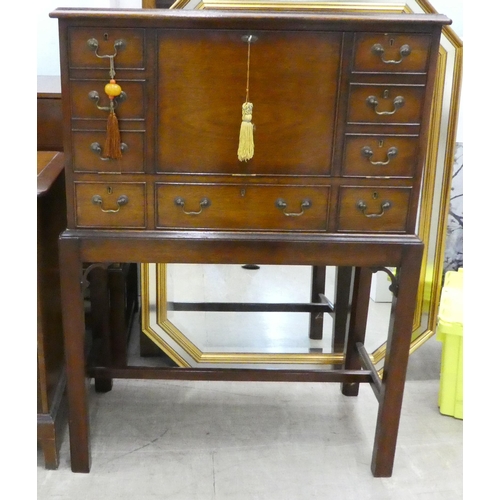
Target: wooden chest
<point>341,108</point>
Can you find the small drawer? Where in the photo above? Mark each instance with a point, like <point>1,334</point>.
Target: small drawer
<point>86,44</point>
<point>385,103</point>
<point>88,150</point>
<point>110,205</point>
<point>380,156</point>
<point>242,207</point>
<point>88,95</point>
<point>391,52</point>
<point>373,209</point>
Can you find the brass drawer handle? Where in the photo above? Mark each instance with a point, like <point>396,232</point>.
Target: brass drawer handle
<point>97,149</point>
<point>93,44</point>
<point>281,204</point>
<point>404,51</point>
<point>94,96</point>
<point>373,102</point>
<point>122,200</point>
<point>204,203</point>
<point>367,152</point>
<point>361,206</point>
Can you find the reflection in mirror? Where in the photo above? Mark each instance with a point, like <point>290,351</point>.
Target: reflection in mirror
<point>185,289</point>
<point>436,184</point>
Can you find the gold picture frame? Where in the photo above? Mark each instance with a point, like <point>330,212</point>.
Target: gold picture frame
<point>434,202</point>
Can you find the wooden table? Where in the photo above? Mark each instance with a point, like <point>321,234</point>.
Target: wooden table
<point>341,113</point>
<point>51,380</point>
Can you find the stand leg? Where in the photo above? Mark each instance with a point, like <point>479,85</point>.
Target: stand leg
<point>357,325</point>
<point>396,362</point>
<point>317,287</point>
<point>100,323</point>
<point>74,346</point>
<point>118,313</point>
<point>343,297</point>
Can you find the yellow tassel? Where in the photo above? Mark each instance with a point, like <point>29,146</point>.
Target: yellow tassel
<point>246,146</point>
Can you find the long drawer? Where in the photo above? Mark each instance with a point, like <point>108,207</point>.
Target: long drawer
<point>243,207</point>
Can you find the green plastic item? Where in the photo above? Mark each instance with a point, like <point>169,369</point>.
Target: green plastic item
<point>450,332</point>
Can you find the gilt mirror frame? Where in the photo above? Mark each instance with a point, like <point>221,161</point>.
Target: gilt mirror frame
<point>435,200</point>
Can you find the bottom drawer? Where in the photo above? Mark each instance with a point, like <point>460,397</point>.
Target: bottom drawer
<point>238,206</point>
<point>113,204</point>
<point>373,209</point>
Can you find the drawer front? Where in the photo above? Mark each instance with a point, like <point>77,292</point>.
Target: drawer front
<point>83,106</point>
<point>373,209</point>
<point>385,103</point>
<point>380,156</point>
<point>110,205</point>
<point>244,207</point>
<point>391,52</point>
<point>88,149</point>
<point>127,43</point>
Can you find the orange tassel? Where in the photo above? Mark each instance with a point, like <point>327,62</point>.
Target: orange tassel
<point>112,146</point>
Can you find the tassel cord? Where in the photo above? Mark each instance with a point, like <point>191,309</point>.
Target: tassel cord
<point>246,143</point>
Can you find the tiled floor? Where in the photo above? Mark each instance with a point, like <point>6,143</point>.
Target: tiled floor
<point>181,440</point>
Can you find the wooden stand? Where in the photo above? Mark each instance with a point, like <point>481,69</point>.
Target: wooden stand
<point>405,255</point>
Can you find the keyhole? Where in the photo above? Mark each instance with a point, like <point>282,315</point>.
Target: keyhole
<point>375,195</point>
<point>380,143</point>
<point>110,189</point>
<point>243,192</point>
<point>386,93</point>
<point>105,36</point>
<point>391,42</point>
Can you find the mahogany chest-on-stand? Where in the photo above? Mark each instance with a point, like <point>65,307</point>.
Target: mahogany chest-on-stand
<point>152,105</point>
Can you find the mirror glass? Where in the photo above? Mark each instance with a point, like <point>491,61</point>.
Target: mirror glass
<point>195,338</point>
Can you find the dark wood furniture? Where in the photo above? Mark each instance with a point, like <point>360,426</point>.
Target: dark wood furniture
<point>51,379</point>
<point>341,114</point>
<point>113,298</point>
<point>49,114</point>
